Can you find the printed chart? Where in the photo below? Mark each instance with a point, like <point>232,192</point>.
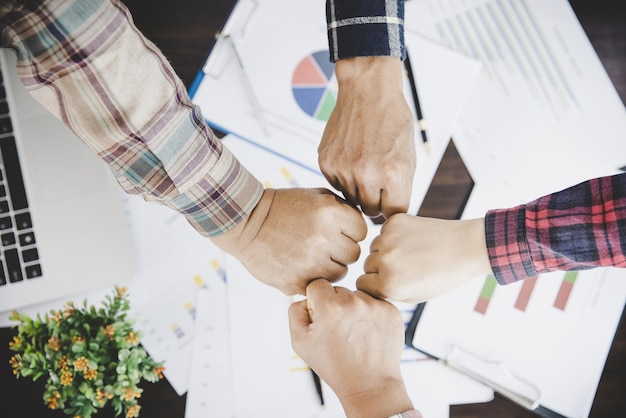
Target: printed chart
<point>314,85</point>
<point>552,332</point>
<point>525,292</point>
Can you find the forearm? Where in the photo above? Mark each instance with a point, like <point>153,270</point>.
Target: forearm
<point>581,227</point>
<point>119,94</point>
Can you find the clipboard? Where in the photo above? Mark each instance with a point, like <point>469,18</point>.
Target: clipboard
<point>590,311</point>
<point>527,394</point>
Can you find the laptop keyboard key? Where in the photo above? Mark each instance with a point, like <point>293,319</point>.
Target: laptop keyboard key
<point>14,270</point>
<point>3,279</point>
<point>33,271</point>
<point>27,238</point>
<point>5,223</point>
<point>5,125</point>
<point>30,255</point>
<point>13,173</point>
<point>7,239</point>
<point>22,221</point>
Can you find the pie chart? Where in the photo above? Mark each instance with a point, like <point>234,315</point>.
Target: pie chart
<point>314,85</point>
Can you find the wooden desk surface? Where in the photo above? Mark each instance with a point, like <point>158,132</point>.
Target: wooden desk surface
<point>184,30</point>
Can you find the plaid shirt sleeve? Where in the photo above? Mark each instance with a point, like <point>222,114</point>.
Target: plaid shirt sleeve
<point>86,62</point>
<point>578,228</point>
<point>365,28</point>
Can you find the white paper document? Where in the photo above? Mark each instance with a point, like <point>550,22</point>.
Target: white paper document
<point>543,114</point>
<point>545,338</point>
<point>210,382</point>
<point>176,261</point>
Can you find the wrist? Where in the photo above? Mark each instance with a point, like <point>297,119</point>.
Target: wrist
<point>475,242</point>
<point>237,239</point>
<point>382,399</point>
<point>369,72</point>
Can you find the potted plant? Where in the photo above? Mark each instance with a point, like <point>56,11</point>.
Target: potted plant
<point>90,357</point>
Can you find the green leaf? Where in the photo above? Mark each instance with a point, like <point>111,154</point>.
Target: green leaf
<point>123,354</point>
<point>78,347</point>
<point>84,387</point>
<point>134,375</point>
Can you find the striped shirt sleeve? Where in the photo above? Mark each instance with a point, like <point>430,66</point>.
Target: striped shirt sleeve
<point>365,28</point>
<point>86,62</point>
<point>578,228</point>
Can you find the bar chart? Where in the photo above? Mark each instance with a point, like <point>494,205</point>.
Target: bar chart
<point>526,289</point>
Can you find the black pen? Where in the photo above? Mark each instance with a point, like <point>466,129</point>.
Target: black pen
<point>318,386</point>
<point>418,110</point>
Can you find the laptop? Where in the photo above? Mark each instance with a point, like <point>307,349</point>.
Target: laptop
<point>63,228</point>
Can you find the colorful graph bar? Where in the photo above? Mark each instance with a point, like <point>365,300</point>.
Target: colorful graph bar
<point>219,270</point>
<point>485,294</point>
<point>177,330</point>
<point>524,294</point>
<point>565,290</point>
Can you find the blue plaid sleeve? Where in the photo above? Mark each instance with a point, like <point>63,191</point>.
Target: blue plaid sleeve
<point>365,28</point>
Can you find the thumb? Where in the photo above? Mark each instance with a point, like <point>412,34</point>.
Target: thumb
<point>318,293</point>
<point>370,284</point>
<point>299,320</point>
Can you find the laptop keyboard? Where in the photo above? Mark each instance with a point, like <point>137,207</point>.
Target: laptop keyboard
<point>19,258</point>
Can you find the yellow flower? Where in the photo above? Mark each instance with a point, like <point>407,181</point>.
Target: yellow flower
<point>54,344</point>
<point>90,374</point>
<point>66,377</point>
<point>53,403</point>
<point>159,372</point>
<point>109,331</point>
<point>133,411</point>
<point>132,339</point>
<point>102,396</point>
<point>62,363</point>
<point>77,338</point>
<point>16,343</point>
<point>121,291</point>
<point>80,364</point>
<point>15,363</point>
<point>130,394</point>
<point>69,309</point>
<point>56,316</point>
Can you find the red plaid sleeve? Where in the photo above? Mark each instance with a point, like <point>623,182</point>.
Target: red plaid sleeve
<point>578,228</point>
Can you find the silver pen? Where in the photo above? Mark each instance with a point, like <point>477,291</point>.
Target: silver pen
<point>256,106</point>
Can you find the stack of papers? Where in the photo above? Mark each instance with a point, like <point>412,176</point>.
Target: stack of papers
<point>543,114</point>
